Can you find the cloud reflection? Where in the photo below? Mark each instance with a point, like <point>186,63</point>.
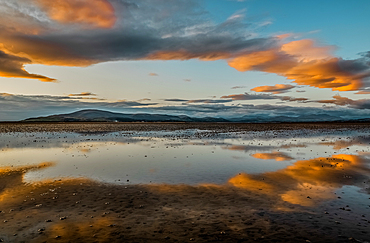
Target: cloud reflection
<point>307,182</point>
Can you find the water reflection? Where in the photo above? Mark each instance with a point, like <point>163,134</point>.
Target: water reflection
<point>157,184</point>
<point>278,156</point>
<point>293,168</point>
<point>308,181</point>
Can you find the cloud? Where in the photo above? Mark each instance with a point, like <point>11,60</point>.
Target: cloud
<point>13,67</point>
<point>83,94</point>
<point>365,91</point>
<point>276,89</point>
<point>247,96</point>
<point>288,98</point>
<point>176,100</point>
<point>144,99</point>
<point>153,74</point>
<point>187,80</point>
<point>208,101</point>
<point>344,101</point>
<point>17,107</point>
<point>84,32</point>
<point>307,64</point>
<point>92,13</point>
<point>205,101</point>
<point>238,87</point>
<point>125,103</point>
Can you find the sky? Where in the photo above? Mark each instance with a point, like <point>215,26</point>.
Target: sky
<point>220,58</point>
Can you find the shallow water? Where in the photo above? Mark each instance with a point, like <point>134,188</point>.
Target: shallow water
<point>281,162</point>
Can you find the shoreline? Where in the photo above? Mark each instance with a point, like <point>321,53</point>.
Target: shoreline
<point>106,127</point>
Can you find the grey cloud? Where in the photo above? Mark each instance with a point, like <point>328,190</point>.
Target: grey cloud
<point>247,96</point>
<point>238,87</point>
<point>344,101</point>
<point>144,27</point>
<point>209,101</point>
<point>206,101</point>
<point>176,100</point>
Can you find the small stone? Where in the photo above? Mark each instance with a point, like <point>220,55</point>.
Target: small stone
<point>57,237</point>
<point>63,218</point>
<point>48,220</point>
<point>192,239</point>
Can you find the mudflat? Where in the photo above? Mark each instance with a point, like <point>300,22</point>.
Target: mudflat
<point>95,127</point>
<point>243,210</point>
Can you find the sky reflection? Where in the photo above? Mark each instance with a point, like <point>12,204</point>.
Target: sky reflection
<point>290,165</point>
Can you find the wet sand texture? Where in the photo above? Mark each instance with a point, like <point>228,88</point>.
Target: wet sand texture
<point>78,210</point>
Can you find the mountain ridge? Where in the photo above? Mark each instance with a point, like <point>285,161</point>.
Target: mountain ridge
<point>95,115</point>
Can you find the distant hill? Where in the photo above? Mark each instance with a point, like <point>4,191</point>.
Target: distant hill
<point>92,115</point>
<point>107,116</point>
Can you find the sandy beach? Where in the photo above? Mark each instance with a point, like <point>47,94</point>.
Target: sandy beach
<point>245,209</point>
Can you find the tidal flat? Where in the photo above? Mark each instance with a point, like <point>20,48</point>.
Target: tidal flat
<point>180,182</point>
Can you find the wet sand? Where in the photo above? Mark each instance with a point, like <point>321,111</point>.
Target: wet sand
<point>213,128</point>
<point>84,211</point>
<point>78,210</point>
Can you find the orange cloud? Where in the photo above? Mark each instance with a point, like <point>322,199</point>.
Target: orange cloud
<point>38,51</point>
<point>338,100</point>
<point>276,89</point>
<point>278,156</point>
<point>95,13</point>
<point>305,50</point>
<point>13,67</point>
<point>304,63</point>
<point>363,92</point>
<point>185,55</point>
